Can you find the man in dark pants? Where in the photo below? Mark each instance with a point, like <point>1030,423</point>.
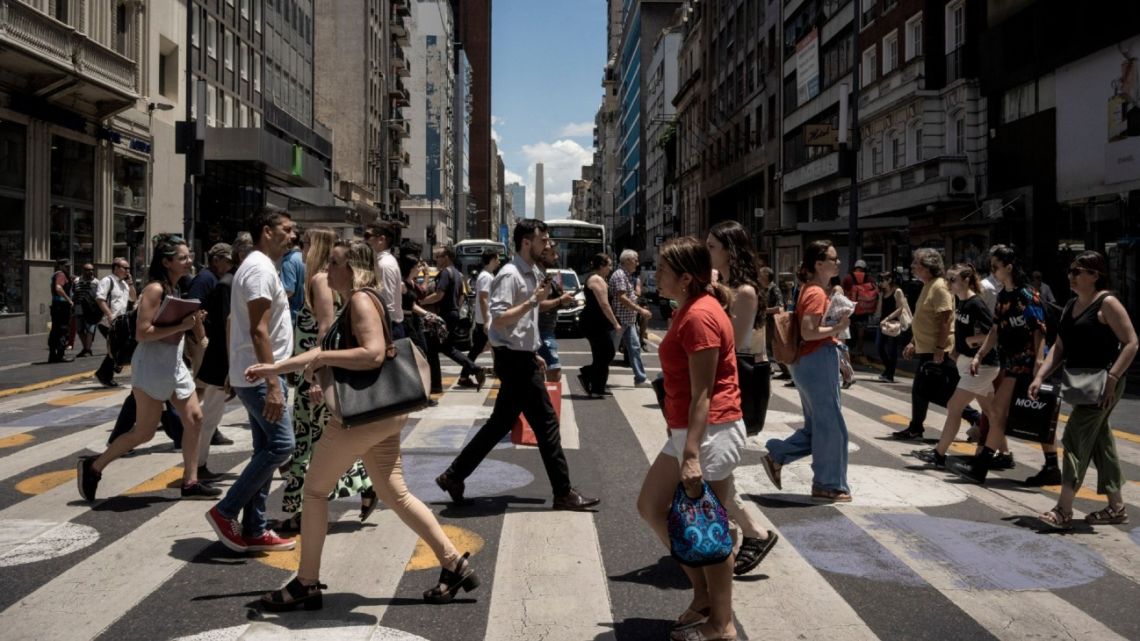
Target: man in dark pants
<point>61,306</point>
<point>384,238</point>
<point>483,303</point>
<point>448,295</point>
<point>115,296</point>
<point>515,296</point>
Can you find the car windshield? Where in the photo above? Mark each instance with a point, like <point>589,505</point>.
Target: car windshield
<point>570,282</point>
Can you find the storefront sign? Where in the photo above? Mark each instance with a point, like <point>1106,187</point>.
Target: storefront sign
<point>807,67</point>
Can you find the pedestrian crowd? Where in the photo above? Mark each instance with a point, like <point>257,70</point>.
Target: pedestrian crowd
<point>330,343</point>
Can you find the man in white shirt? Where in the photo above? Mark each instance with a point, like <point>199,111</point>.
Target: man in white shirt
<point>114,295</point>
<point>261,331</point>
<point>483,303</point>
<point>383,236</point>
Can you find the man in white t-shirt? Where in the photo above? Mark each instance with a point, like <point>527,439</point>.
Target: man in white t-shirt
<point>114,296</point>
<point>383,236</point>
<point>483,302</point>
<point>261,331</point>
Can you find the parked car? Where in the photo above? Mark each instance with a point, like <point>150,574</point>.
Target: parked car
<point>568,316</point>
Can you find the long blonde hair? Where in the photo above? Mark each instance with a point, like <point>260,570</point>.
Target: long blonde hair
<point>320,241</point>
<point>363,263</point>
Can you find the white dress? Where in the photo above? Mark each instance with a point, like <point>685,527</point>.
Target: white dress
<point>158,370</point>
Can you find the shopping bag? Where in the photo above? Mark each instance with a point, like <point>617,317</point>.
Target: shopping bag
<point>521,433</point>
<point>936,383</point>
<point>699,533</point>
<point>1033,420</point>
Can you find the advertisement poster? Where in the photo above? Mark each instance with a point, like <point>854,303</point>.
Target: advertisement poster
<point>807,67</point>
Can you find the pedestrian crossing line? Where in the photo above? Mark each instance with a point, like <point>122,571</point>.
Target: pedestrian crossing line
<point>1007,614</point>
<point>775,609</point>
<point>45,482</point>
<point>568,421</point>
<point>16,440</point>
<point>549,582</point>
<point>167,479</point>
<point>76,399</point>
<point>464,540</point>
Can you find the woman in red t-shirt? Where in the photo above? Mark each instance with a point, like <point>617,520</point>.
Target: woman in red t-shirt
<point>706,426</point>
<point>816,374</point>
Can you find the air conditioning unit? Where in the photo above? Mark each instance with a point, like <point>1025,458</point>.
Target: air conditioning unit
<point>960,185</point>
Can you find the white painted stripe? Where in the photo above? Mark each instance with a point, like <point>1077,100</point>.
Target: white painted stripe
<point>568,423</point>
<point>549,581</point>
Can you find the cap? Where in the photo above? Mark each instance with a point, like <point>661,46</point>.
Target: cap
<point>860,264</point>
<point>221,250</point>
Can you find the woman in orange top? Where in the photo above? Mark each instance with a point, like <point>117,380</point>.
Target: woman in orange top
<point>706,426</point>
<point>816,374</point>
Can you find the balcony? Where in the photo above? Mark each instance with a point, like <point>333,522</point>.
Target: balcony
<point>400,96</point>
<point>398,186</point>
<point>400,62</point>
<point>402,7</point>
<point>826,166</point>
<point>400,127</point>
<point>892,89</point>
<point>398,157</point>
<point>941,179</point>
<point>62,65</point>
<point>961,63</point>
<point>399,28</point>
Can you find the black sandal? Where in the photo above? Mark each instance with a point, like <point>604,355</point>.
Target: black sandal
<point>294,595</point>
<point>368,504</point>
<point>451,582</point>
<point>289,525</point>
<point>752,552</point>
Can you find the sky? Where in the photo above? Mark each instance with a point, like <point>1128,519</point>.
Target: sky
<point>547,58</point>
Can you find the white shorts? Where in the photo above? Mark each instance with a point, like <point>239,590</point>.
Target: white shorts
<point>721,449</point>
<point>983,383</point>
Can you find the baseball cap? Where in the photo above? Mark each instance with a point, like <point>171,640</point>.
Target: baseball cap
<point>860,264</point>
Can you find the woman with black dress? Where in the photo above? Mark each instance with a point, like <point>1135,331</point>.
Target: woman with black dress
<point>598,323</point>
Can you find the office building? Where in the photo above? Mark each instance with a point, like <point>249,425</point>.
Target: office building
<point>473,30</point>
<point>660,130</point>
<point>463,205</point>
<point>517,193</point>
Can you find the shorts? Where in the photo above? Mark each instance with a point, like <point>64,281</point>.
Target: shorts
<point>983,383</point>
<point>721,450</point>
<point>549,352</point>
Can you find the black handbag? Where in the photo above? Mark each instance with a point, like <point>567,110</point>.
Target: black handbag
<point>400,385</point>
<point>755,380</point>
<point>936,383</point>
<point>1033,420</point>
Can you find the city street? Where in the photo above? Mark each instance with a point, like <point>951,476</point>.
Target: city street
<point>917,555</point>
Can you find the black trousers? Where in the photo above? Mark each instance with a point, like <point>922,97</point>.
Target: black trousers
<point>478,342</point>
<point>755,380</point>
<point>522,389</point>
<point>919,404</point>
<point>106,369</point>
<point>169,421</point>
<point>448,349</point>
<point>602,352</point>
<point>60,328</point>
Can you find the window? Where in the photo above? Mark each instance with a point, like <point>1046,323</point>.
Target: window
<point>245,8</point>
<point>230,2</point>
<point>914,36</point>
<point>195,26</point>
<point>243,61</point>
<point>870,65</point>
<point>257,120</point>
<point>257,15</point>
<point>257,72</point>
<point>876,159</point>
<point>955,25</point>
<point>211,104</point>
<point>211,37</point>
<point>916,141</point>
<point>229,50</point>
<point>898,153</point>
<point>227,111</point>
<point>958,135</point>
<point>1019,102</point>
<point>890,52</point>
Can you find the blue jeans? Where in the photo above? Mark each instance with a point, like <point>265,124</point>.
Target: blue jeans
<point>632,342</point>
<point>548,350</point>
<point>272,445</point>
<point>824,435</point>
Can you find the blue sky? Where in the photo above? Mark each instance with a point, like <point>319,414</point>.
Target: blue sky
<point>547,58</point>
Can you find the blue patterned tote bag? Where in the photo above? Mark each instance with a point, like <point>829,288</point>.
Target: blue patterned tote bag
<point>699,533</point>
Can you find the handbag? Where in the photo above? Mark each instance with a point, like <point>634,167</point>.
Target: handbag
<point>755,381</point>
<point>1083,385</point>
<point>892,327</point>
<point>400,385</point>
<point>1033,419</point>
<point>699,533</point>
<point>936,383</point>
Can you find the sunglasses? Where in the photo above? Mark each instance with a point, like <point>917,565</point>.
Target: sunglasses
<point>1077,271</point>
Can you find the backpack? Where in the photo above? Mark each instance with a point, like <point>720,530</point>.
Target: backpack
<point>865,296</point>
<point>785,337</point>
<point>121,340</point>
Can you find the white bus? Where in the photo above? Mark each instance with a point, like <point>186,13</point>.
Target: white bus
<point>577,241</point>
<point>469,254</point>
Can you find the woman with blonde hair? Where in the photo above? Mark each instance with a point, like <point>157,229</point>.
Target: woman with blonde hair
<point>357,341</point>
<point>706,425</point>
<point>309,411</point>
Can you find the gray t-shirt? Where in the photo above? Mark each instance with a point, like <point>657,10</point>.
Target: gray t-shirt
<point>514,284</point>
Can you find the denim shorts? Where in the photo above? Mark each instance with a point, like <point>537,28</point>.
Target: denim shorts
<point>549,352</point>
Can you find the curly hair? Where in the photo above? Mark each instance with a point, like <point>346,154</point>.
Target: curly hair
<point>743,264</point>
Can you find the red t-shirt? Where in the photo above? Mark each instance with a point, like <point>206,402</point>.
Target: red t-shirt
<point>701,324</point>
<point>813,302</point>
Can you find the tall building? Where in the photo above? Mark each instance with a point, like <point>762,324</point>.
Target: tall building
<point>463,206</point>
<point>517,193</point>
<point>473,28</point>
<point>78,144</point>
<point>692,132</point>
<point>539,191</point>
<point>643,20</point>
<point>660,130</point>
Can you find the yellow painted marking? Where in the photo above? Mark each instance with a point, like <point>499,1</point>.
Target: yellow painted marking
<point>166,479</point>
<point>288,560</point>
<point>76,399</point>
<point>963,449</point>
<point>16,440</point>
<point>71,378</point>
<point>897,419</point>
<point>465,540</point>
<point>1127,436</point>
<point>448,381</point>
<point>493,393</point>
<point>41,483</point>
<point>1062,418</point>
<point>1082,492</point>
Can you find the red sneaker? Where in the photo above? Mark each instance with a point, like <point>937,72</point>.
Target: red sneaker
<point>268,541</point>
<point>228,530</point>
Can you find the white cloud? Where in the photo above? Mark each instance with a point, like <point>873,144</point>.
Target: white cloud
<point>511,177</point>
<point>496,137</point>
<point>562,163</point>
<point>495,120</point>
<point>578,129</point>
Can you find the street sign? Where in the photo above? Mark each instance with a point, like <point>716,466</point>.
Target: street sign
<point>820,136</point>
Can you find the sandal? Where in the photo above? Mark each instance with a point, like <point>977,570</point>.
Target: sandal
<point>294,595</point>
<point>1057,519</point>
<point>368,504</point>
<point>1108,516</point>
<point>694,634</point>
<point>290,525</point>
<point>450,582</point>
<point>701,615</point>
<point>752,552</point>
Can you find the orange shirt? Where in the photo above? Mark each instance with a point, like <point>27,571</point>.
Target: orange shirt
<point>701,324</point>
<point>813,302</point>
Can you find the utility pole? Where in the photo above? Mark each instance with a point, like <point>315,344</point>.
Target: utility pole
<point>853,146</point>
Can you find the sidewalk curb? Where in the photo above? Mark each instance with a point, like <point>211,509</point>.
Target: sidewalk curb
<point>70,378</point>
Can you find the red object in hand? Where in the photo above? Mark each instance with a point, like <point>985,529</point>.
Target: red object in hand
<point>521,433</point>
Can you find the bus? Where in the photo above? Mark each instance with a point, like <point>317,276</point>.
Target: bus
<point>577,241</point>
<point>469,255</point>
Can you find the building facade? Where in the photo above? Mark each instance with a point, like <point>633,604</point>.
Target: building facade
<point>660,129</point>
<point>517,194</point>
<point>473,28</point>
<point>692,138</point>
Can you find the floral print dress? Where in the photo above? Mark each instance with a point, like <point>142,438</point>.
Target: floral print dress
<point>1019,314</point>
<point>309,421</point>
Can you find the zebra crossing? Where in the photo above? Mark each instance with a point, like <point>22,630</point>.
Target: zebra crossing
<point>916,555</point>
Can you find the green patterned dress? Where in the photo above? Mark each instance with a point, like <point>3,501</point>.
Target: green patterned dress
<point>308,423</point>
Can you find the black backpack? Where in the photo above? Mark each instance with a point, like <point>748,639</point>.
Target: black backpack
<point>121,341</point>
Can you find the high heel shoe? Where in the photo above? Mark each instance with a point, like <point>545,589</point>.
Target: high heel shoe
<point>450,582</point>
<point>294,595</point>
<point>368,504</point>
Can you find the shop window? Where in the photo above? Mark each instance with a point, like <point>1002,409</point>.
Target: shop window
<point>11,254</point>
<point>129,239</point>
<point>72,234</point>
<point>72,169</point>
<point>130,184</point>
<point>13,155</point>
